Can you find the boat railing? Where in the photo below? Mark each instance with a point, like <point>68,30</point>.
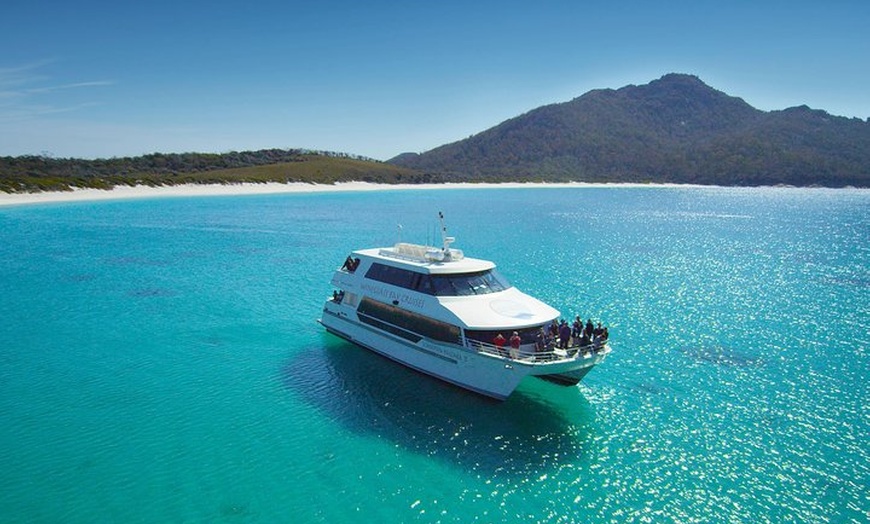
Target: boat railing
<point>421,253</point>
<point>531,353</point>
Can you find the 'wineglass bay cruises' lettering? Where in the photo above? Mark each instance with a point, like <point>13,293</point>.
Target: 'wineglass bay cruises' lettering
<point>380,291</point>
<point>455,318</point>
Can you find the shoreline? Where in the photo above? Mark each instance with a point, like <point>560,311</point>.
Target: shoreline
<point>269,188</point>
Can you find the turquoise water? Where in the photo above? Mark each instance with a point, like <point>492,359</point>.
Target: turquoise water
<point>160,361</point>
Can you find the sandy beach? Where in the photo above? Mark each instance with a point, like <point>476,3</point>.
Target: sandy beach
<point>189,190</point>
<point>128,192</point>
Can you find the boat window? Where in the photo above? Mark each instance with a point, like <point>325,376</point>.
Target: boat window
<point>479,283</point>
<point>408,323</point>
<point>391,275</point>
<point>424,285</point>
<point>470,284</point>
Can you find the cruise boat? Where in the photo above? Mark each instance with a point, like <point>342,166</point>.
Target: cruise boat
<point>453,317</point>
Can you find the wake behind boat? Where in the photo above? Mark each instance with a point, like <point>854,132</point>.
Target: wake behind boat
<point>457,319</point>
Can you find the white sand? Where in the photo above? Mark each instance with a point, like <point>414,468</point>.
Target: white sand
<point>127,192</point>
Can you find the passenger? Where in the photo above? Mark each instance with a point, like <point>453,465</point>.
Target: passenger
<point>604,334</point>
<point>549,342</point>
<point>540,343</point>
<point>515,345</point>
<point>355,265</point>
<point>585,343</point>
<point>598,330</point>
<point>564,335</point>
<point>348,264</point>
<point>577,327</point>
<point>589,328</point>
<point>499,341</point>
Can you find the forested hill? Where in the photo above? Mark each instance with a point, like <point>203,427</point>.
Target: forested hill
<point>36,173</point>
<point>675,129</point>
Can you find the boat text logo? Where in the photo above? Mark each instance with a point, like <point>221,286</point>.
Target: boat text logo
<point>389,294</point>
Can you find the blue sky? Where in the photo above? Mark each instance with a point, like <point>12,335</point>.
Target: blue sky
<point>377,78</point>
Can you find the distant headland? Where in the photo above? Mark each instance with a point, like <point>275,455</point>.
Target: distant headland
<point>674,130</point>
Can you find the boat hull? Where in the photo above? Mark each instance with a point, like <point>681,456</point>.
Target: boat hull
<point>571,378</point>
<point>490,375</point>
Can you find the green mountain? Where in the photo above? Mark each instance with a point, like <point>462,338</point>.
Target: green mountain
<point>674,129</point>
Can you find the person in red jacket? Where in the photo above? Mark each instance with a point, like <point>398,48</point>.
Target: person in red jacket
<point>515,345</point>
<point>499,341</point>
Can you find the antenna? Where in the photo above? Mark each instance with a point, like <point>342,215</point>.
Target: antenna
<point>445,240</point>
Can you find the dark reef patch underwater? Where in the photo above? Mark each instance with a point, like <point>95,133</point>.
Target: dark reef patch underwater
<point>721,355</point>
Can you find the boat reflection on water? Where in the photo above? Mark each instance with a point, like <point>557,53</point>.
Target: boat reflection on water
<point>372,395</point>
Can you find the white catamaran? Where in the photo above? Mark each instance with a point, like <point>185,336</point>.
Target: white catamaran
<point>455,318</point>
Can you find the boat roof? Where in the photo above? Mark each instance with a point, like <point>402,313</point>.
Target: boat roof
<point>502,310</point>
<point>508,309</point>
<point>427,259</point>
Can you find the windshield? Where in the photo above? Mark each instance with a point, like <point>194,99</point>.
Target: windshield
<point>469,284</point>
